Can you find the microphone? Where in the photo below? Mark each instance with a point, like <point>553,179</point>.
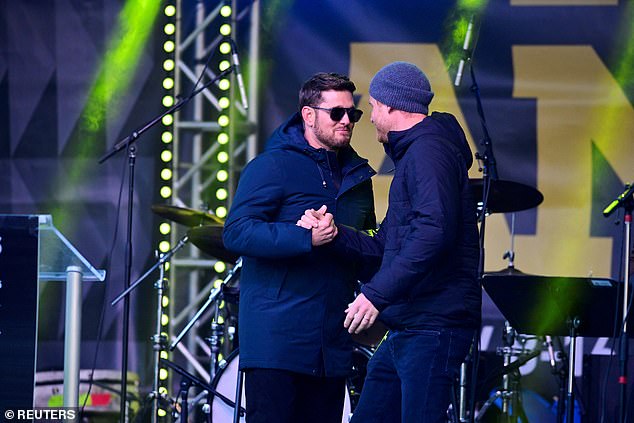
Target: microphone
<point>465,53</point>
<point>629,190</point>
<point>236,67</point>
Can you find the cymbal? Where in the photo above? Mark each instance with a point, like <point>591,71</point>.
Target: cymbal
<point>507,271</point>
<point>186,216</point>
<point>507,196</point>
<point>208,239</point>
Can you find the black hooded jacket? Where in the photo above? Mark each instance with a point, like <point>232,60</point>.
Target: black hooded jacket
<point>427,245</point>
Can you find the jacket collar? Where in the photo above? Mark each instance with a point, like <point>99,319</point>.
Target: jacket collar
<point>399,141</point>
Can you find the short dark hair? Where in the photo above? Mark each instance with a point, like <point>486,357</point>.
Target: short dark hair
<point>310,93</point>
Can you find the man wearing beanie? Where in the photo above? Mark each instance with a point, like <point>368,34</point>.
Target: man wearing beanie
<point>426,250</point>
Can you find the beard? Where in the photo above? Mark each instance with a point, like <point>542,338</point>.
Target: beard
<point>333,137</point>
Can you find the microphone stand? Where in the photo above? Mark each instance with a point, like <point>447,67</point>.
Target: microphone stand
<point>128,142</point>
<point>489,172</point>
<point>625,200</point>
<point>489,165</point>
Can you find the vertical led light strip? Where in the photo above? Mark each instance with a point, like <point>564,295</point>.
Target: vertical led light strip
<point>223,119</point>
<point>222,157</point>
<point>166,174</point>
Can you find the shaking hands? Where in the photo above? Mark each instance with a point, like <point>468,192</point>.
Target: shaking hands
<point>321,225</point>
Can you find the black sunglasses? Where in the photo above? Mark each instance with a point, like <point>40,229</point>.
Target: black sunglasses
<point>336,113</point>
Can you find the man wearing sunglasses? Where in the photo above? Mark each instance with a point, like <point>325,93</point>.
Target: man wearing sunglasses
<point>426,290</point>
<point>293,347</point>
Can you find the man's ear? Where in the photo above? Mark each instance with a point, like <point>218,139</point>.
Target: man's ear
<point>308,115</point>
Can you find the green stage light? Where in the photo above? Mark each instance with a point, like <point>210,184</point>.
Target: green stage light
<point>221,212</point>
<point>168,65</point>
<point>166,174</point>
<point>165,228</point>
<point>225,11</point>
<point>224,84</point>
<point>223,138</point>
<point>169,29</point>
<point>169,46</point>
<point>165,192</point>
<point>225,29</point>
<point>167,120</point>
<point>170,10</point>
<point>221,194</point>
<point>167,137</point>
<point>223,65</point>
<point>168,101</point>
<point>223,157</point>
<point>223,102</point>
<point>223,121</point>
<point>166,155</point>
<point>127,41</point>
<point>168,83</point>
<point>222,175</point>
<point>224,48</point>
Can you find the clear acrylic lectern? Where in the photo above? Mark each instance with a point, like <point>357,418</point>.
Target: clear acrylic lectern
<point>33,250</point>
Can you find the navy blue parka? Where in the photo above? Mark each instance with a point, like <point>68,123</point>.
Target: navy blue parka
<point>293,295</point>
<point>427,246</point>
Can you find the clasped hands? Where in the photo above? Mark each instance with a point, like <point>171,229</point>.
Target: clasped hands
<point>321,224</point>
<point>360,313</point>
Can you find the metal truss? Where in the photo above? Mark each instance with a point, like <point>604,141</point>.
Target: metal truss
<point>195,152</point>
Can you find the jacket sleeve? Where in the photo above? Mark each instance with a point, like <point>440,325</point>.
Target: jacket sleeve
<point>365,247</point>
<point>432,182</point>
<point>251,228</point>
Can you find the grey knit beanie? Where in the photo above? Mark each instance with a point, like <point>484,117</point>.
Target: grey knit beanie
<point>403,86</point>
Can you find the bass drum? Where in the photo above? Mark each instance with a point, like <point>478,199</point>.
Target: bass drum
<point>227,377</point>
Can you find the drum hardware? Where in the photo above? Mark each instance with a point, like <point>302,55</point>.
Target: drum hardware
<point>213,296</point>
<point>217,329</point>
<point>186,382</point>
<point>158,341</point>
<point>509,392</point>
<point>217,332</point>
<point>576,307</point>
<point>504,197</point>
<point>186,216</point>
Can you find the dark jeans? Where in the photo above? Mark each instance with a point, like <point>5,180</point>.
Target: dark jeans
<point>410,376</point>
<point>281,396</point>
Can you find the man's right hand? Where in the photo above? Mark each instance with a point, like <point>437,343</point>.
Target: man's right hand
<point>321,224</point>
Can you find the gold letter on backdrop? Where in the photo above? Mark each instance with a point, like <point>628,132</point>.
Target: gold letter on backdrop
<point>578,102</point>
